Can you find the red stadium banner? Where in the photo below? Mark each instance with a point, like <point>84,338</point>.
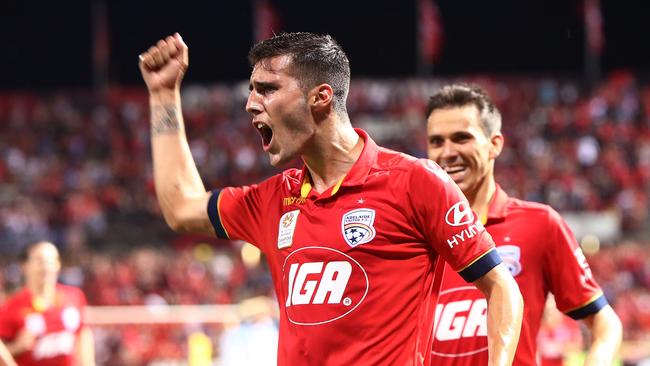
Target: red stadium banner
<point>594,26</point>
<point>101,44</point>
<point>430,32</point>
<point>266,20</point>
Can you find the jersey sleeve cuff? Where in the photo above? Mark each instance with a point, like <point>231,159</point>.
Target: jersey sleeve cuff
<point>590,308</point>
<point>213,213</point>
<point>481,266</point>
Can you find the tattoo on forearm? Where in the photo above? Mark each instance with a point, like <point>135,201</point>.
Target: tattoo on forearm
<point>164,120</point>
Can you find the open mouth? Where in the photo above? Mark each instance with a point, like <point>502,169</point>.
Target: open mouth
<point>265,132</point>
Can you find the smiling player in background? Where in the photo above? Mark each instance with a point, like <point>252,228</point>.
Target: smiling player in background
<point>464,138</point>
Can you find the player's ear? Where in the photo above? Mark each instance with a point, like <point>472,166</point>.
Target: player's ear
<point>322,95</point>
<point>320,100</point>
<point>497,141</point>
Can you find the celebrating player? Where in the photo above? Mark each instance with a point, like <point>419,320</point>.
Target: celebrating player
<point>41,324</point>
<point>355,240</point>
<point>464,138</point>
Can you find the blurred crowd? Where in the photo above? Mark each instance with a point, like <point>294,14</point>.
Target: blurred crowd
<point>73,165</point>
<point>75,168</point>
<point>201,273</point>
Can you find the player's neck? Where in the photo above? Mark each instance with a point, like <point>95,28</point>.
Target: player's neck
<point>480,199</point>
<point>334,152</point>
<point>43,290</point>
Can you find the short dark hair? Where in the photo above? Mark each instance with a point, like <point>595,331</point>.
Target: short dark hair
<point>315,59</point>
<point>461,95</point>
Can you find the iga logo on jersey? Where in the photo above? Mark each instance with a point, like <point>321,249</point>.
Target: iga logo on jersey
<point>323,285</point>
<point>357,226</point>
<point>461,314</point>
<point>459,214</point>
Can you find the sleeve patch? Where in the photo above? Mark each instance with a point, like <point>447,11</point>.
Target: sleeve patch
<point>590,308</point>
<point>480,266</point>
<point>213,213</point>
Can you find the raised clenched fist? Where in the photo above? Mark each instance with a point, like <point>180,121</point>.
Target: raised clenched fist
<point>164,64</point>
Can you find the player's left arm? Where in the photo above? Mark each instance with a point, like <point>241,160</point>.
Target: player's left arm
<point>85,350</point>
<point>85,345</point>
<point>571,281</point>
<point>606,334</point>
<point>458,236</point>
<point>504,314</point>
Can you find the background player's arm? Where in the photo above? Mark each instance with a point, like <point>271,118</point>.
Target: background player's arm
<point>5,356</point>
<point>85,348</point>
<point>23,341</point>
<point>505,310</point>
<point>606,333</point>
<point>571,281</point>
<point>180,191</point>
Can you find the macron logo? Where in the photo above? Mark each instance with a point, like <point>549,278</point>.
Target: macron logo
<point>459,214</point>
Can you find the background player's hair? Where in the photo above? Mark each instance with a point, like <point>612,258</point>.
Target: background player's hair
<point>315,58</point>
<point>23,256</point>
<point>461,95</point>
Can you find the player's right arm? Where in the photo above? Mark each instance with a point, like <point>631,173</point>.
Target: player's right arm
<point>180,191</point>
<point>5,356</point>
<point>24,341</point>
<point>504,314</point>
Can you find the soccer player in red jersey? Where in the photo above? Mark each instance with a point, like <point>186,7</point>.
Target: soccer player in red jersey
<point>356,239</point>
<point>41,324</point>
<point>464,138</point>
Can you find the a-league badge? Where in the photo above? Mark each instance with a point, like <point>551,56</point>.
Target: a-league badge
<point>511,255</point>
<point>357,226</point>
<point>286,228</point>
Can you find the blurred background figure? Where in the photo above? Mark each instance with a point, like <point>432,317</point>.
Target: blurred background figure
<point>254,341</point>
<point>42,323</point>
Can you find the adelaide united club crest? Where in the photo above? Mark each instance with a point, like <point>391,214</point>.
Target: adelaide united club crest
<point>357,226</point>
<point>511,255</point>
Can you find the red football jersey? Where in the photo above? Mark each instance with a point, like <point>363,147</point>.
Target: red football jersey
<point>542,255</point>
<point>56,328</point>
<point>357,268</point>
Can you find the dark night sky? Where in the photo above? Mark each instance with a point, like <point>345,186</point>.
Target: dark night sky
<point>49,43</point>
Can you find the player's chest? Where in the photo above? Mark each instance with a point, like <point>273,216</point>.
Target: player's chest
<point>521,247</point>
<point>327,257</point>
<point>356,222</point>
<point>52,320</point>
